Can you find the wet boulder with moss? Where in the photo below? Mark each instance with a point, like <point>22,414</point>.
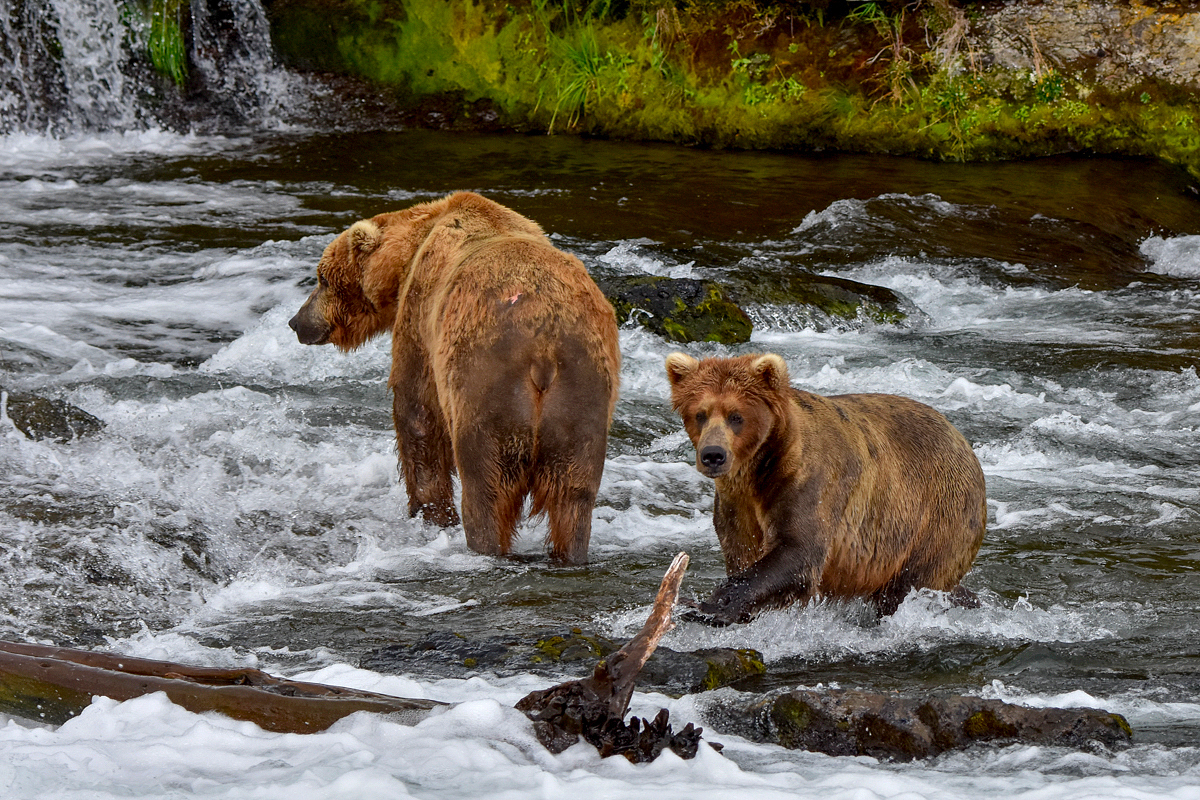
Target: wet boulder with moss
<point>843,722</point>
<point>678,309</point>
<point>798,298</point>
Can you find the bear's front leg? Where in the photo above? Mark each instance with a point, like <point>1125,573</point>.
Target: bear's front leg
<point>426,458</point>
<point>781,577</point>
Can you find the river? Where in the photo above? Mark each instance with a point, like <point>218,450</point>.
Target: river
<point>241,506</point>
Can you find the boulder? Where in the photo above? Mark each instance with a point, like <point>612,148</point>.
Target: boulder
<point>678,309</point>
<point>1122,44</point>
<point>803,299</point>
<point>45,418</point>
<point>842,722</point>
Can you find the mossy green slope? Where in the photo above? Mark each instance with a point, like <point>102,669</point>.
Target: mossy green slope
<point>734,74</point>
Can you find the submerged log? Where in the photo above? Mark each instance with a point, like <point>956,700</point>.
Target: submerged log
<point>446,653</point>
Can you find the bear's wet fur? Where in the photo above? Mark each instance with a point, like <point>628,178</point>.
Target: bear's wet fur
<point>857,495</point>
<point>505,363</point>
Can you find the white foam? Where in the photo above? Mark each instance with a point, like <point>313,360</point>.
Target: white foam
<point>481,746</point>
<point>28,151</point>
<point>627,257</point>
<point>1178,257</point>
<point>841,213</point>
<point>269,349</point>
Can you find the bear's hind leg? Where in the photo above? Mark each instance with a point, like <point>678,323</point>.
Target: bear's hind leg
<point>569,509</point>
<point>572,437</point>
<point>493,469</point>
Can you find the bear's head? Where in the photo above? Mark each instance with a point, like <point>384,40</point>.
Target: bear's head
<point>351,302</point>
<point>729,406</point>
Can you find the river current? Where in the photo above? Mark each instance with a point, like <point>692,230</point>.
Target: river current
<point>242,507</point>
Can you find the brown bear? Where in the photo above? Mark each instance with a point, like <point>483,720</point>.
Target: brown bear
<point>856,495</point>
<point>505,363</point>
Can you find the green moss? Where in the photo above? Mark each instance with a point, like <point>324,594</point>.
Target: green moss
<point>574,647</point>
<point>679,309</point>
<point>722,673</point>
<point>985,725</point>
<point>791,716</point>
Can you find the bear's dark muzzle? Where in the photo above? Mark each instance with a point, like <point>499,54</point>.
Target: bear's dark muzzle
<point>306,331</point>
<point>713,460</point>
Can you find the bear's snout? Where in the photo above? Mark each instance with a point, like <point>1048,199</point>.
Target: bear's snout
<point>714,460</point>
<point>309,331</point>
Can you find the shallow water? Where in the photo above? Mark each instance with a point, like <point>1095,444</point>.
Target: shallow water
<point>242,507</point>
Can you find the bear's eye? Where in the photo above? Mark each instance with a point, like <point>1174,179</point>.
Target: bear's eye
<point>322,282</point>
<point>701,418</point>
<point>735,421</point>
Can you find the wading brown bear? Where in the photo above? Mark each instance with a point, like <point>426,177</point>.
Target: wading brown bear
<point>856,495</point>
<point>504,363</point>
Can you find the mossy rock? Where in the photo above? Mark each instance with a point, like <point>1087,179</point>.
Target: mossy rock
<point>45,418</point>
<point>844,722</point>
<point>820,301</point>
<point>679,309</point>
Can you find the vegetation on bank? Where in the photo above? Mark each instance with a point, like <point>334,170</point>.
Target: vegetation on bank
<point>883,76</point>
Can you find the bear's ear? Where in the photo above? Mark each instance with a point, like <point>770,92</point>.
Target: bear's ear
<point>772,370</point>
<point>679,366</point>
<point>365,237</point>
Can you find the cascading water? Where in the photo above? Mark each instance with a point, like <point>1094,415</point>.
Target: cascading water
<point>94,65</point>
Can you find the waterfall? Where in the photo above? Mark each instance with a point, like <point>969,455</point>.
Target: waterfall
<point>88,65</point>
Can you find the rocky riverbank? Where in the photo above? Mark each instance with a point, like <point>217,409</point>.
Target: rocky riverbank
<point>930,78</point>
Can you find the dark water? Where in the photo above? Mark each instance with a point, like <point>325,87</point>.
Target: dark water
<point>244,495</point>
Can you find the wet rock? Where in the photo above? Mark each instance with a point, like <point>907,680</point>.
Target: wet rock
<point>45,418</point>
<point>823,302</point>
<point>678,309</point>
<point>667,671</point>
<point>856,723</point>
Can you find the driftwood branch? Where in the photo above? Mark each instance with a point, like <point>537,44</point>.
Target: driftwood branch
<point>594,708</point>
<point>53,684</point>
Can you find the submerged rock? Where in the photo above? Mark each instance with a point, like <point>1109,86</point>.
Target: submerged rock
<point>45,418</point>
<point>678,309</point>
<point>667,671</point>
<point>856,723</point>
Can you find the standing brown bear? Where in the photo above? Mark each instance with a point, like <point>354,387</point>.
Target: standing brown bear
<point>505,363</point>
<point>857,495</point>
